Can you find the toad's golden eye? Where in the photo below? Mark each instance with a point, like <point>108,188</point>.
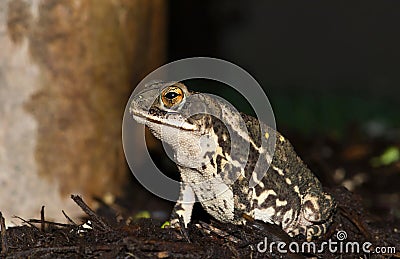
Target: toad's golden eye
<point>172,96</point>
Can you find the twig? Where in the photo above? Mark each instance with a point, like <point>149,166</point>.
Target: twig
<point>3,235</point>
<point>183,229</point>
<point>78,200</point>
<point>42,222</point>
<point>271,229</point>
<point>219,232</point>
<point>49,223</point>
<point>27,222</point>
<point>68,218</point>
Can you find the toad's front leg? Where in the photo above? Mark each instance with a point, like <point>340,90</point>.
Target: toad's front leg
<point>183,207</point>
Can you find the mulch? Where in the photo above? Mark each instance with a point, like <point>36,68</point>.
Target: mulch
<point>362,217</point>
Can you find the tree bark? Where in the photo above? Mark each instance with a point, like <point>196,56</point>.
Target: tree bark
<point>67,68</point>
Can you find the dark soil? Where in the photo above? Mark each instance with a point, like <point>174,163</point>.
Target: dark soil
<point>370,213</point>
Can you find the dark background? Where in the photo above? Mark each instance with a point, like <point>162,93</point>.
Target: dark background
<point>331,72</point>
<point>326,66</point>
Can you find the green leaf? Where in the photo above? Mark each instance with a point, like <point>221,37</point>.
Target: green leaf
<point>143,215</point>
<point>166,224</point>
<point>389,156</point>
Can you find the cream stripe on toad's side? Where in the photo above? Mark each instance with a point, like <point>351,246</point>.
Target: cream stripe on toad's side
<point>280,203</point>
<point>280,171</point>
<point>264,214</point>
<point>263,196</point>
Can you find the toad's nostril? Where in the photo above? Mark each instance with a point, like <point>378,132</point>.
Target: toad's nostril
<point>152,111</point>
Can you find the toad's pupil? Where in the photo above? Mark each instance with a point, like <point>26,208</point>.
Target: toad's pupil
<point>171,95</point>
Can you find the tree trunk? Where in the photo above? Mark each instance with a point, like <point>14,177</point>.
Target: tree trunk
<point>67,68</point>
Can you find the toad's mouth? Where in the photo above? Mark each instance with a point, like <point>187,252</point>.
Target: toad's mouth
<point>145,118</point>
